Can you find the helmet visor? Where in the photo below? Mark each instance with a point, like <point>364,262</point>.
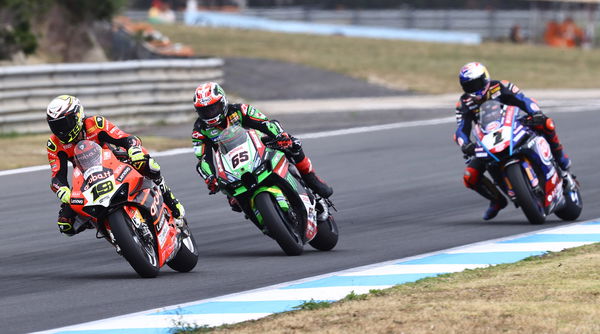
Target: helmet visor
<point>211,114</point>
<point>475,85</point>
<point>65,128</point>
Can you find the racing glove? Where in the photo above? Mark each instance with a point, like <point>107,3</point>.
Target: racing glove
<point>284,141</point>
<point>65,225</point>
<point>538,119</point>
<point>468,149</point>
<point>137,156</point>
<point>212,184</point>
<point>64,194</point>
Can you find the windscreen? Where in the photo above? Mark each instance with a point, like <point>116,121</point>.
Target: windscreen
<point>231,138</point>
<point>490,116</point>
<point>88,157</point>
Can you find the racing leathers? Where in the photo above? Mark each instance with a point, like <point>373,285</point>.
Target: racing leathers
<point>204,142</point>
<point>100,130</point>
<point>466,113</point>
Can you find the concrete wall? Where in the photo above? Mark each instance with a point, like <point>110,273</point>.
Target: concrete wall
<point>129,92</point>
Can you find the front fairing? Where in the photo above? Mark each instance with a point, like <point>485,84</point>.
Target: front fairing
<point>499,137</point>
<point>246,167</point>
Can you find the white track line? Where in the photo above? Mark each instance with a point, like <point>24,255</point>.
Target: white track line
<point>322,134</point>
<point>312,135</point>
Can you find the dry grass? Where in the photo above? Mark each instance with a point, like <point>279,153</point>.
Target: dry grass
<point>30,150</point>
<point>559,293</point>
<point>423,67</point>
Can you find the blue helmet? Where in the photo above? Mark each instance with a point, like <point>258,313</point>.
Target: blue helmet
<point>474,79</point>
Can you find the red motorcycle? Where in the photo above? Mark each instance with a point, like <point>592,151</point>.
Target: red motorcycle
<point>127,209</point>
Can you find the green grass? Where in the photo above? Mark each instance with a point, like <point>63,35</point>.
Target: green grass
<point>421,67</point>
<point>312,305</point>
<point>554,293</point>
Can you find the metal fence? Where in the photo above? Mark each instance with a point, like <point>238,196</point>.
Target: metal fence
<point>490,24</point>
<point>130,92</point>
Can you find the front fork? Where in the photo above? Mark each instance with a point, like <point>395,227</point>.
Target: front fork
<point>529,172</point>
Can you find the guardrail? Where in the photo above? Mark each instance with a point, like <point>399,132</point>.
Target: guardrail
<point>130,92</point>
<point>490,24</point>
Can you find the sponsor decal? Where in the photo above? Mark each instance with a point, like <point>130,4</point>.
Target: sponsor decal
<point>534,107</point>
<point>154,206</point>
<point>544,150</point>
<point>160,224</point>
<point>234,118</point>
<point>98,176</point>
<point>162,236</point>
<point>508,119</point>
<point>254,113</point>
<point>51,146</point>
<point>492,126</point>
<point>197,135</point>
<point>515,89</point>
<point>77,201</point>
<point>126,171</point>
<point>495,88</point>
<point>99,122</point>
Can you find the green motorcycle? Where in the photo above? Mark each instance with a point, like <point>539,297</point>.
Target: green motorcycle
<point>271,192</point>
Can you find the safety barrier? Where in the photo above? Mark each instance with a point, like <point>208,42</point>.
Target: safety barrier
<point>298,27</point>
<point>130,92</point>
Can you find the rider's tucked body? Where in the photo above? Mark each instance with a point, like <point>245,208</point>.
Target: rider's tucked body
<point>69,125</point>
<point>215,114</point>
<point>478,88</point>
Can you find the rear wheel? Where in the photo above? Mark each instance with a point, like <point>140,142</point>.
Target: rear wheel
<point>187,256</point>
<point>327,235</point>
<point>531,205</point>
<point>137,247</point>
<point>572,208</point>
<point>278,225</point>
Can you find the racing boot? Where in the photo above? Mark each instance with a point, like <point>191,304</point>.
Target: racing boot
<point>317,185</point>
<point>68,223</point>
<point>235,206</point>
<point>314,182</point>
<point>484,187</point>
<point>170,200</point>
<point>494,208</point>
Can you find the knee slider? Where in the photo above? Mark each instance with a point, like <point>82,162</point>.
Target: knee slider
<point>471,177</point>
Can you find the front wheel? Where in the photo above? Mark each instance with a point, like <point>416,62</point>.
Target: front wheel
<point>276,223</point>
<point>532,207</point>
<point>572,208</point>
<point>327,235</point>
<point>187,256</point>
<point>136,247</point>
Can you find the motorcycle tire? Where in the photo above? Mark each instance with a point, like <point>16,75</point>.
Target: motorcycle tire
<point>187,256</point>
<point>327,235</point>
<point>142,257</point>
<point>571,210</point>
<point>525,196</point>
<point>277,226</point>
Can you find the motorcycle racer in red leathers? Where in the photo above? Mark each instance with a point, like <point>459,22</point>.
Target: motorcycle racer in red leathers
<point>69,125</point>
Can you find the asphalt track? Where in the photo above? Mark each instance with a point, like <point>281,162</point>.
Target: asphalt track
<point>399,193</point>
